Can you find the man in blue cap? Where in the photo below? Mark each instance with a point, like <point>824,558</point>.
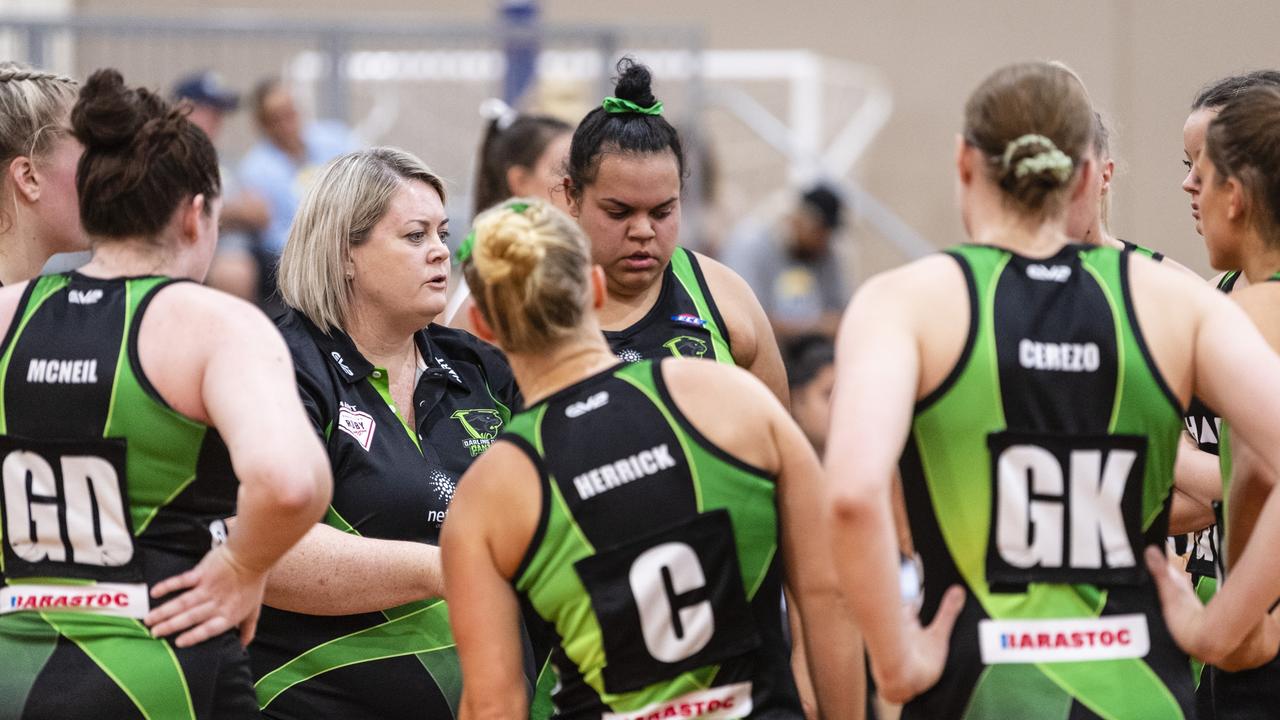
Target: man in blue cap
<point>209,99</point>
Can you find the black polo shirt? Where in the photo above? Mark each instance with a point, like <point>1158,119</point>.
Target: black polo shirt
<point>391,481</point>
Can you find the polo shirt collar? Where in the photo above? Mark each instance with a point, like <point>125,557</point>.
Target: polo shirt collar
<point>352,367</point>
<point>341,353</point>
<point>437,365</point>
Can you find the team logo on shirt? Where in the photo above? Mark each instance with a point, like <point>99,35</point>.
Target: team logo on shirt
<point>630,356</point>
<point>356,423</point>
<point>482,426</point>
<point>684,346</point>
<point>687,319</point>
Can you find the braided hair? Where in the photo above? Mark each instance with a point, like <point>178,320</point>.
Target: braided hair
<point>33,109</point>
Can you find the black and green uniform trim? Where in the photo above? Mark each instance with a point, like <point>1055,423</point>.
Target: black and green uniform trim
<point>1098,391</point>
<point>1140,250</point>
<point>624,472</point>
<point>391,481</point>
<point>683,322</point>
<point>1205,427</point>
<point>176,488</point>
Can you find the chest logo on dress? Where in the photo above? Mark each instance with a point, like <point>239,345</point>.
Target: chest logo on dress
<point>356,423</point>
<point>482,426</point>
<point>687,319</point>
<point>684,346</point>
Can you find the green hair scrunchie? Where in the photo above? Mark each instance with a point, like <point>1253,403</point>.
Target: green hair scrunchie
<point>615,106</point>
<point>464,250</point>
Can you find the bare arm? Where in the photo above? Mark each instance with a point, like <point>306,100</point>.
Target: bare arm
<point>1228,347</point>
<point>833,645</point>
<point>1197,483</point>
<point>377,574</point>
<point>482,543</point>
<point>285,482</point>
<point>753,345</point>
<point>876,383</point>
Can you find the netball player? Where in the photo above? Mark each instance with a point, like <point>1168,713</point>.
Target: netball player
<point>1239,208</point>
<point>626,171</point>
<point>644,511</point>
<point>1030,392</point>
<point>38,153</point>
<point>130,403</point>
<point>520,156</point>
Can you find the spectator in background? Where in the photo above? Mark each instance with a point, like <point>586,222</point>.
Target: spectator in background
<point>235,267</point>
<point>793,268</point>
<point>283,163</point>
<point>811,376</point>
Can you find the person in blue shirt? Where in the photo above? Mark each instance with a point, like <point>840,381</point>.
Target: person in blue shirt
<point>281,166</point>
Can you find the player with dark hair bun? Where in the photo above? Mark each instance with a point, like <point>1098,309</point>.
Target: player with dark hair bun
<point>626,172</point>
<point>138,411</point>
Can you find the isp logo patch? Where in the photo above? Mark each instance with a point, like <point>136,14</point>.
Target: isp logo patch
<point>687,319</point>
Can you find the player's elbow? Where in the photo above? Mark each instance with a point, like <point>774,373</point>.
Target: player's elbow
<point>852,504</point>
<point>300,490</point>
<point>494,704</point>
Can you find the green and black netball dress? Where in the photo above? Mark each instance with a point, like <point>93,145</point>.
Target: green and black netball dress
<point>1205,428</point>
<point>1249,694</point>
<point>684,322</point>
<point>391,481</point>
<point>655,564</point>
<point>107,491</point>
<point>1035,476</point>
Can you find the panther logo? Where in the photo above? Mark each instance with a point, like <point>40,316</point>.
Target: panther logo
<point>481,425</point>
<point>684,346</point>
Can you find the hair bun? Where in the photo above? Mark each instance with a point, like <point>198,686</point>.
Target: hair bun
<point>1033,164</point>
<point>508,254</point>
<point>634,83</point>
<point>109,114</point>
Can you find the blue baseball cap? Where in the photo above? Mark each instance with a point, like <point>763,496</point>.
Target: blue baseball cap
<point>207,88</point>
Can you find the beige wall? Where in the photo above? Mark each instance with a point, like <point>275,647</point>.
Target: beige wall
<point>1142,59</point>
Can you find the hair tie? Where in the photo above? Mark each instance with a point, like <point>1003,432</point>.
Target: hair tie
<point>616,106</point>
<point>1027,139</point>
<point>502,114</point>
<point>1055,161</point>
<point>1051,158</point>
<point>464,250</point>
